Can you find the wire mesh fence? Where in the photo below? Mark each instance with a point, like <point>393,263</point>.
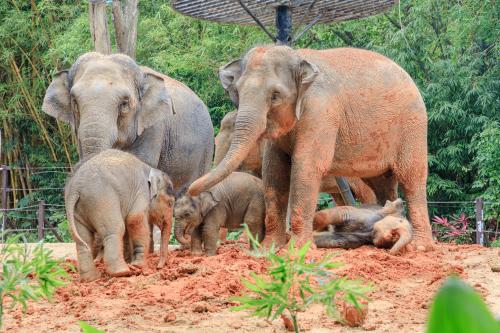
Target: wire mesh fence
<point>40,214</point>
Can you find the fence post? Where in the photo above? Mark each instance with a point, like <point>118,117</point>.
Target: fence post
<point>479,221</point>
<point>41,220</point>
<point>5,189</point>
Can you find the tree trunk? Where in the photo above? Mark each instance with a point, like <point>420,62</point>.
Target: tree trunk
<point>125,22</point>
<point>98,22</point>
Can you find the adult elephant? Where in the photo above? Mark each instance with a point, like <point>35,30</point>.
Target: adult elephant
<point>343,111</point>
<point>253,164</point>
<point>111,102</point>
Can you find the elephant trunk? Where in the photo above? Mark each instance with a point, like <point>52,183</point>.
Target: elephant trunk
<point>179,233</point>
<point>94,135</point>
<point>249,127</point>
<point>404,239</point>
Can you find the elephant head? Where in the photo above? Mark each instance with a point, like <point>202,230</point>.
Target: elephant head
<point>108,100</point>
<point>225,136</point>
<point>271,83</point>
<point>161,208</point>
<point>392,232</point>
<point>190,212</point>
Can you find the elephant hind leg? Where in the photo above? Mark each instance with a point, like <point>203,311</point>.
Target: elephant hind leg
<point>86,267</point>
<point>362,191</point>
<point>254,218</point>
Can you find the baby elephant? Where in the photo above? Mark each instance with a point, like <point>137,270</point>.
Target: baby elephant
<point>109,194</point>
<point>353,227</point>
<point>236,200</point>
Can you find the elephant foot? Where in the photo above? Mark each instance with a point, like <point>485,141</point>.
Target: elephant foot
<point>118,270</point>
<point>140,263</point>
<point>161,263</point>
<point>89,276</point>
<point>211,253</point>
<point>422,243</point>
<point>196,252</point>
<point>278,241</point>
<point>301,240</point>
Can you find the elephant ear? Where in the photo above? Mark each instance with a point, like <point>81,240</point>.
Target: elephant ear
<point>57,100</point>
<point>307,74</point>
<point>228,75</point>
<point>208,200</point>
<point>156,102</point>
<point>155,181</point>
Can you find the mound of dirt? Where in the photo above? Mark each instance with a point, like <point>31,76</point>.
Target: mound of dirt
<point>192,293</point>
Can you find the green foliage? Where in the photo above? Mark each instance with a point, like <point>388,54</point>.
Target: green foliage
<point>292,283</point>
<point>86,328</point>
<point>495,243</point>
<point>458,309</point>
<point>28,274</point>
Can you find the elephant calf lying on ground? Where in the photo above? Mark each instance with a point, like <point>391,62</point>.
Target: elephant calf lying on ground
<point>108,194</point>
<point>353,227</point>
<point>237,200</point>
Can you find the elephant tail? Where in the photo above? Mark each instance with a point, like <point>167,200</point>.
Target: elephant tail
<point>71,199</point>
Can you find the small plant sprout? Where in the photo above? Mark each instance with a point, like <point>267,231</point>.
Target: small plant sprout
<point>28,275</point>
<point>293,283</point>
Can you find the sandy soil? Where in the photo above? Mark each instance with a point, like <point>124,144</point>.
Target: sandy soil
<point>191,293</point>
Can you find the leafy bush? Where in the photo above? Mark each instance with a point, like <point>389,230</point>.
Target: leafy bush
<point>28,274</point>
<point>457,229</point>
<point>457,308</point>
<point>293,284</point>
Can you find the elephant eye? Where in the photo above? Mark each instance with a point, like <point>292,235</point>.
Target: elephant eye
<point>123,107</point>
<point>275,97</point>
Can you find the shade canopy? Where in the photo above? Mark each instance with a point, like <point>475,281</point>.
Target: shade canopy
<point>303,11</point>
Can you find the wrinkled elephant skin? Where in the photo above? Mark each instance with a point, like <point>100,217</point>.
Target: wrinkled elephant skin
<point>339,112</point>
<point>111,102</point>
<point>237,200</point>
<point>110,194</point>
<point>253,165</point>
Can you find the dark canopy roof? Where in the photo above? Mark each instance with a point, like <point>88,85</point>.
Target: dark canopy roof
<point>230,11</point>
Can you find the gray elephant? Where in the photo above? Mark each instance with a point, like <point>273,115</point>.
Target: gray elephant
<point>111,193</point>
<point>338,112</point>
<point>111,102</point>
<point>253,164</point>
<point>237,200</point>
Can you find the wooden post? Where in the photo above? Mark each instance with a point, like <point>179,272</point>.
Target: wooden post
<point>98,21</point>
<point>41,220</point>
<point>5,189</point>
<point>125,23</point>
<point>284,25</point>
<point>479,221</point>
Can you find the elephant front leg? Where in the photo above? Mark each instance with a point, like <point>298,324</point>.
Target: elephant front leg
<point>304,190</point>
<point>139,231</point>
<point>196,240</point>
<point>211,228</point>
<point>309,164</point>
<point>276,179</point>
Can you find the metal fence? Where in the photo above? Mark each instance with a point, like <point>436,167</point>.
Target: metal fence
<point>462,220</point>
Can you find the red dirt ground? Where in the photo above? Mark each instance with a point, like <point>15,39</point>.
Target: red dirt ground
<point>191,294</point>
